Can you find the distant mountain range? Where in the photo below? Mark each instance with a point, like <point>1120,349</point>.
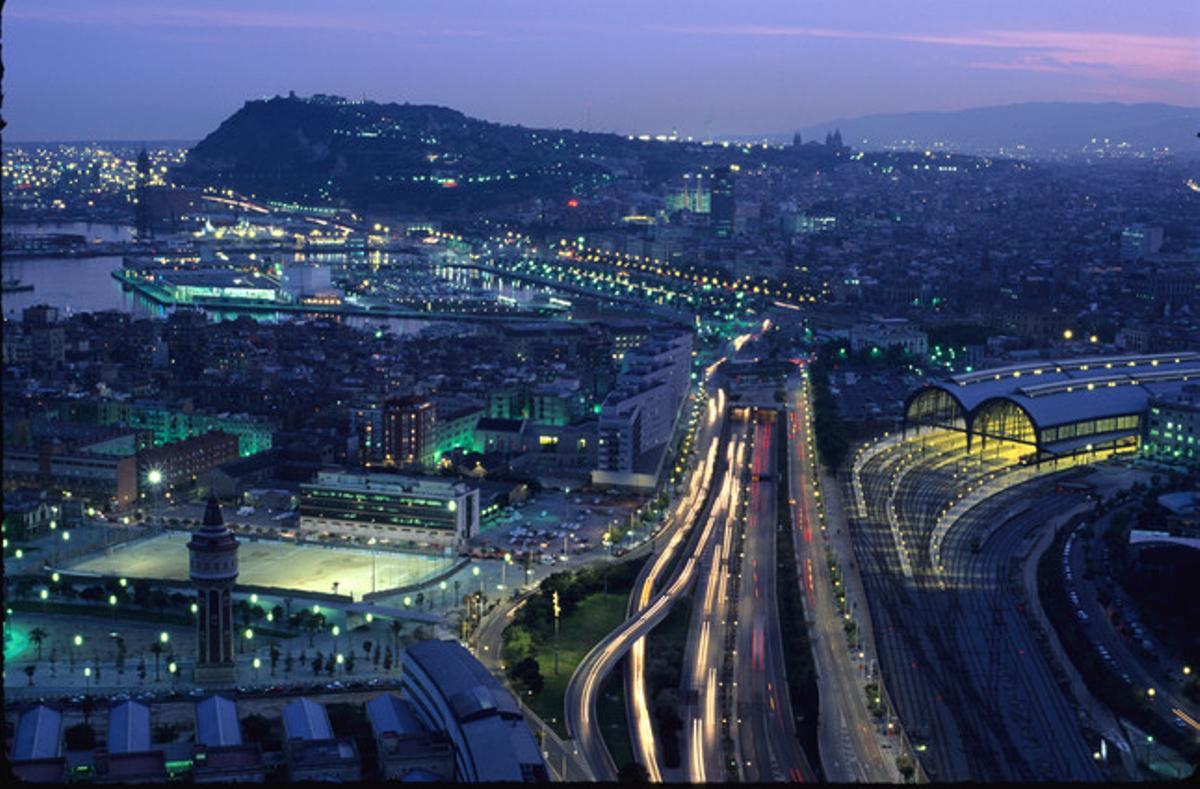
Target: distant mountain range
<point>1042,127</point>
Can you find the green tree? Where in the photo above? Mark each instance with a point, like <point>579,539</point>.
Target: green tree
<point>518,643</point>
<point>528,674</point>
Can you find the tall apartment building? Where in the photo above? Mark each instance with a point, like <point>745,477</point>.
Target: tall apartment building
<point>637,419</point>
<point>408,431</point>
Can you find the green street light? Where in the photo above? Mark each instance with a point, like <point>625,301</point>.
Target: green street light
<point>370,617</point>
<point>316,608</point>
<point>248,633</point>
<point>54,577</point>
<point>172,667</point>
<point>78,640</point>
<point>112,599</point>
<point>257,664</point>
<point>254,598</point>
<point>337,631</point>
<point>44,594</point>
<point>19,553</point>
<point>195,609</point>
<point>164,637</point>
<point>66,536</point>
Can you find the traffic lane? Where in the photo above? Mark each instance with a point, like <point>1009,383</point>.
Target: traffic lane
<point>1121,658</point>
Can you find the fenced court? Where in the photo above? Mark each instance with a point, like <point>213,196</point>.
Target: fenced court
<point>284,565</point>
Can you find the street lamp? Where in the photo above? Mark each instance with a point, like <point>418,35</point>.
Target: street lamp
<point>475,572</point>
<point>87,672</point>
<point>164,637</point>
<point>442,586</point>
<point>337,631</point>
<point>112,602</point>
<point>247,635</point>
<point>371,542</point>
<point>257,663</point>
<point>504,569</point>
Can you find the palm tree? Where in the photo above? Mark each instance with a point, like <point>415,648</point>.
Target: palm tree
<point>37,636</point>
<point>157,648</point>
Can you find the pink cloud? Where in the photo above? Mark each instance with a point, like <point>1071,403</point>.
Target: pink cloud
<point>1143,56</point>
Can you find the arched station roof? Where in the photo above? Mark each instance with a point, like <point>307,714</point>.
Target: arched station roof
<point>1057,392</point>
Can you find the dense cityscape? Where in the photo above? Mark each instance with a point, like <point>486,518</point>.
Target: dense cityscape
<point>358,440</point>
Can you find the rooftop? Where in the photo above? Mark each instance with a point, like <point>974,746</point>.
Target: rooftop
<point>129,728</point>
<point>390,713</point>
<point>217,722</point>
<point>39,734</point>
<point>305,719</point>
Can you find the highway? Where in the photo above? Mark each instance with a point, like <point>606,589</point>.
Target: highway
<point>702,751</point>
<point>969,684</point>
<point>765,744</point>
<point>850,750</point>
<point>585,683</point>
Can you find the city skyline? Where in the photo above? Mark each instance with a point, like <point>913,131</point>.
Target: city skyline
<point>698,70</point>
<point>670,392</point>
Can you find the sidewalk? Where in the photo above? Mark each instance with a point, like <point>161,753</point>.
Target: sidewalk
<point>839,544</point>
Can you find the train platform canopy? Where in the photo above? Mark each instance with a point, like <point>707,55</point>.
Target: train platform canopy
<point>1038,402</point>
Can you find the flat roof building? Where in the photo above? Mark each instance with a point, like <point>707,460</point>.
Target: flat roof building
<point>427,514</point>
<point>637,418</point>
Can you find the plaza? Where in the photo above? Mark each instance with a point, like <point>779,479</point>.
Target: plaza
<point>270,563</point>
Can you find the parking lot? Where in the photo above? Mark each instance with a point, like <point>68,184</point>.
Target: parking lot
<point>556,525</point>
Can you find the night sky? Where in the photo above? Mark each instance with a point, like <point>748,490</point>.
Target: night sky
<point>139,69</point>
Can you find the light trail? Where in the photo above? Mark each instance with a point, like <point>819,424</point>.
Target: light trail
<point>643,734</point>
<point>1188,719</point>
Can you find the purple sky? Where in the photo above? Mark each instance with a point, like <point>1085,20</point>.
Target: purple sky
<point>144,69</point>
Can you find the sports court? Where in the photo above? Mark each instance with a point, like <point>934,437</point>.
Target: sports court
<point>284,565</point>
